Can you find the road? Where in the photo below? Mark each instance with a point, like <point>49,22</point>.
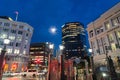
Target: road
<point>22,78</point>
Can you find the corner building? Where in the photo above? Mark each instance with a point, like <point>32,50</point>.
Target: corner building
<point>104,35</point>
<point>17,52</point>
<point>73,39</point>
<point>39,55</point>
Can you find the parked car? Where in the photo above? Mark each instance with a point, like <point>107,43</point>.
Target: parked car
<point>30,73</point>
<point>8,74</point>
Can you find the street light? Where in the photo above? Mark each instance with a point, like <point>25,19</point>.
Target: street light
<point>61,47</point>
<point>92,64</point>
<point>51,46</point>
<point>2,56</point>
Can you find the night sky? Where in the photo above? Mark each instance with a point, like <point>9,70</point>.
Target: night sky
<point>44,14</point>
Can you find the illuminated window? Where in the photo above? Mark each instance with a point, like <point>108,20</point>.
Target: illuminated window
<point>12,37</point>
<point>26,41</point>
<point>24,52</point>
<point>9,51</point>
<point>19,38</point>
<point>16,51</point>
<point>113,46</point>
<point>111,38</point>
<point>118,34</point>
<point>107,25</point>
<point>3,36</point>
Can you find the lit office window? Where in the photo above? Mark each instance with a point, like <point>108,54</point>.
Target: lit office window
<point>118,34</point>
<point>24,52</point>
<point>114,22</point>
<point>9,51</point>
<point>107,25</point>
<point>16,51</point>
<point>113,46</point>
<point>3,35</point>
<point>19,38</point>
<point>11,37</point>
<point>111,37</point>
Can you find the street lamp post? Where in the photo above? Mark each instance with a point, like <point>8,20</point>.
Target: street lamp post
<point>92,64</point>
<point>61,47</point>
<point>51,46</point>
<point>2,57</point>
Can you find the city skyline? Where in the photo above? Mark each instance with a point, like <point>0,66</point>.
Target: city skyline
<point>42,15</point>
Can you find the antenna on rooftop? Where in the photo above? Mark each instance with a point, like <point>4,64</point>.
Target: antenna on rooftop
<point>16,12</point>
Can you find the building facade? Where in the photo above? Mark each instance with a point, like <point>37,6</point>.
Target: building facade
<point>39,53</point>
<point>19,34</point>
<point>73,39</point>
<point>104,35</point>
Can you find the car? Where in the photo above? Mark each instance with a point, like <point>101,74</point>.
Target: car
<point>30,73</point>
<point>7,74</point>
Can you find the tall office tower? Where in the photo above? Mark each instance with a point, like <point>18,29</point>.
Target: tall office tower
<point>39,55</point>
<point>19,34</point>
<point>104,35</point>
<point>73,39</point>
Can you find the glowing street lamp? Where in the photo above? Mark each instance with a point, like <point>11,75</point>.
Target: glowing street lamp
<point>61,47</point>
<point>51,47</point>
<point>92,64</point>
<point>90,50</point>
<point>2,57</point>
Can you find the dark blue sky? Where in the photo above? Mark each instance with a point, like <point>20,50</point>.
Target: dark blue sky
<point>42,14</point>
